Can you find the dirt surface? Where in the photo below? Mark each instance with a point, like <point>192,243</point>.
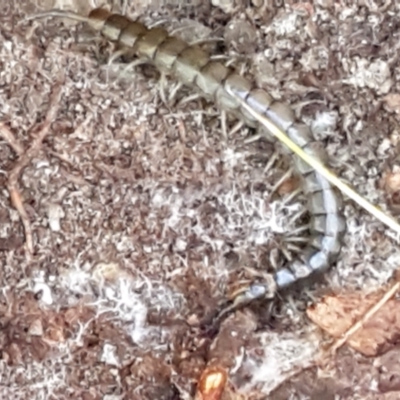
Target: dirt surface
<point>144,215</point>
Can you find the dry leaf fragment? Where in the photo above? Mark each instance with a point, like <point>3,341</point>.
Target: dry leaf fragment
<point>376,335</point>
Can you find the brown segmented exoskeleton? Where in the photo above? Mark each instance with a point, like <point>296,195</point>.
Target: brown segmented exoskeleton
<point>193,66</point>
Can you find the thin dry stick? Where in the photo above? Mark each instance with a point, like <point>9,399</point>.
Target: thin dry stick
<point>25,159</point>
<point>368,315</point>
<point>320,168</point>
<point>8,136</point>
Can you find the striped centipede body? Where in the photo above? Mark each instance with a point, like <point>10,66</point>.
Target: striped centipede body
<point>193,66</point>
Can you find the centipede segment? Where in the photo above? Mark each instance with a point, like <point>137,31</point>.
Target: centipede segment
<point>193,66</point>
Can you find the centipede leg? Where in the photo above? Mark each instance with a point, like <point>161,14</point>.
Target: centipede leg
<point>163,84</point>
<point>284,177</point>
<point>291,196</point>
<point>112,59</point>
<point>236,128</point>
<point>117,54</point>
<point>248,294</point>
<point>223,125</point>
<point>187,99</point>
<point>252,139</point>
<point>174,91</point>
<point>132,65</point>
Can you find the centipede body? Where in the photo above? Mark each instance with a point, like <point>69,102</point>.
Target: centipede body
<point>193,66</point>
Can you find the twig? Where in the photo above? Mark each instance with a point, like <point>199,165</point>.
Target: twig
<point>25,159</point>
<point>368,315</point>
<point>8,136</point>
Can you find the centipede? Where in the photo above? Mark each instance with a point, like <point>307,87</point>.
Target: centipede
<point>193,66</point>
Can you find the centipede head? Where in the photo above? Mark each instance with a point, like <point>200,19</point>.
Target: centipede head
<point>243,296</point>
<point>249,293</point>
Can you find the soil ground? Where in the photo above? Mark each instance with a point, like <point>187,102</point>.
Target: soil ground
<point>145,215</point>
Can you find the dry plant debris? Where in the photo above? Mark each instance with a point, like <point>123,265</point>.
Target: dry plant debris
<point>26,156</point>
<point>370,323</point>
<point>143,216</point>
